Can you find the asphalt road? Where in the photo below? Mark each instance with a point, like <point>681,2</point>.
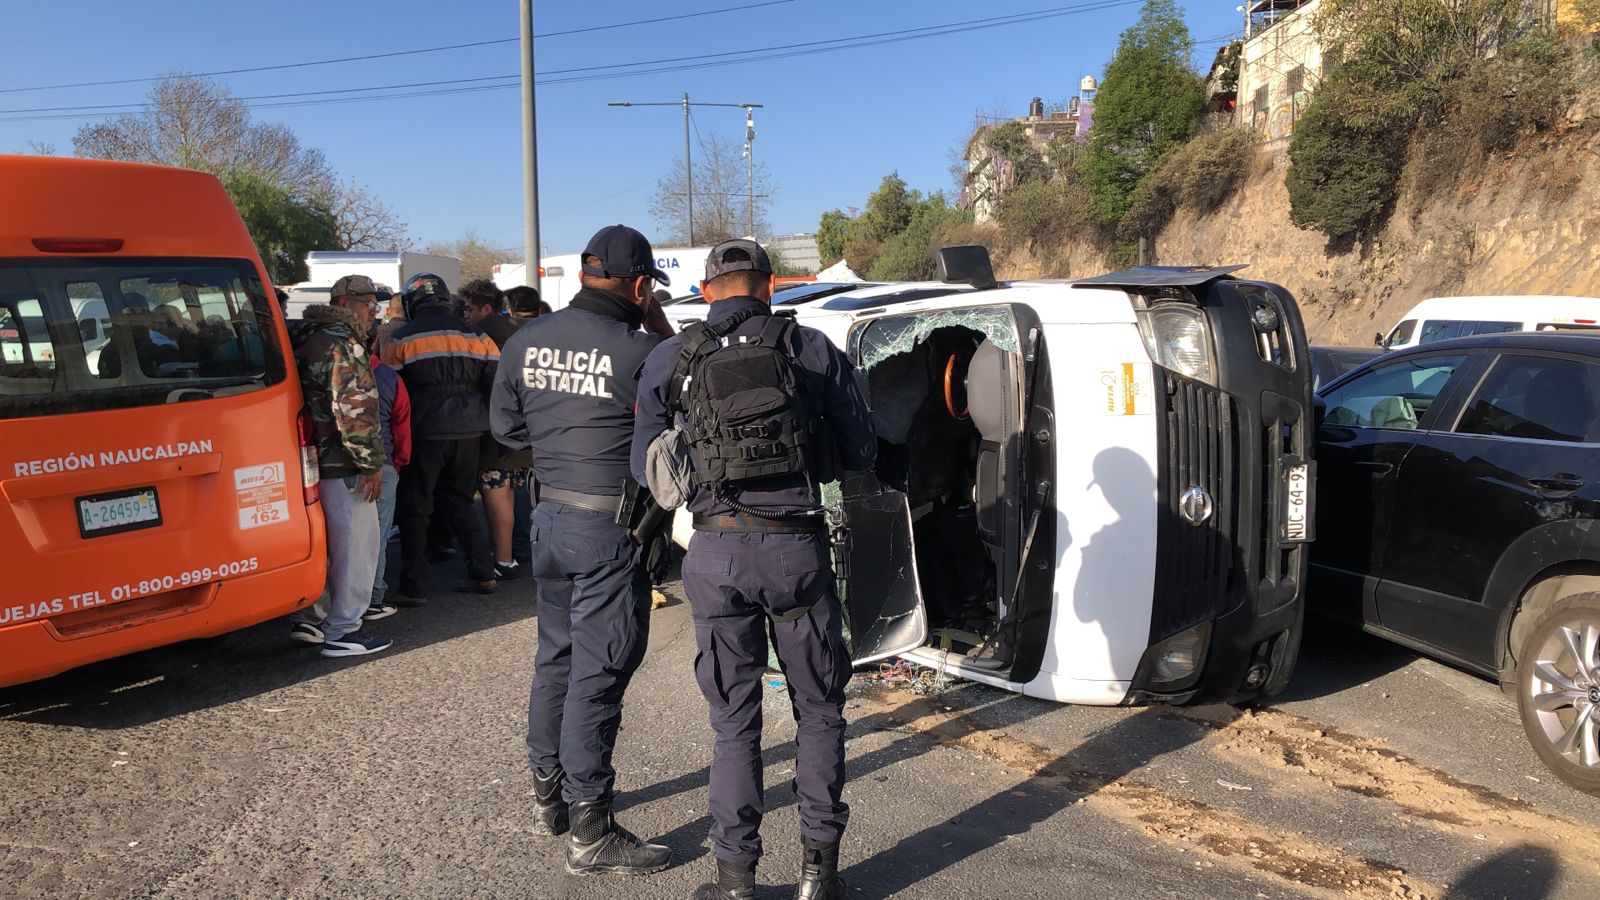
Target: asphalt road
<point>249,766</point>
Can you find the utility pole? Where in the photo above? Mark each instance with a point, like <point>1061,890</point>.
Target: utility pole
<point>688,168</point>
<point>750,154</point>
<point>530,156</point>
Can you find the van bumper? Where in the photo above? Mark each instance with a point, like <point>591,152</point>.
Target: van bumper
<point>50,646</point>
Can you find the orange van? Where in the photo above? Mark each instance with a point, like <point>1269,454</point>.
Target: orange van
<point>157,479</point>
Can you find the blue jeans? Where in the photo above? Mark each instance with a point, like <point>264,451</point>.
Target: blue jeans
<point>391,483</point>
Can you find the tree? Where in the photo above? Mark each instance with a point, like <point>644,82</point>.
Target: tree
<point>197,124</point>
<point>1151,101</point>
<point>284,227</point>
<point>477,258</point>
<point>364,222</point>
<point>832,232</point>
<point>908,255</point>
<point>721,197</point>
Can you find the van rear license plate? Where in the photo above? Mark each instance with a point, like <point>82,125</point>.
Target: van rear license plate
<point>114,513</point>
<point>1297,478</point>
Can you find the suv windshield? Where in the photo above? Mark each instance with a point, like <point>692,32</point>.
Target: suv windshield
<point>84,335</point>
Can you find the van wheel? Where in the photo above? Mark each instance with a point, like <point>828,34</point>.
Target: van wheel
<point>1558,690</point>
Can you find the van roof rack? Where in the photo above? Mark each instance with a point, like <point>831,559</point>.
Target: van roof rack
<point>1160,276</point>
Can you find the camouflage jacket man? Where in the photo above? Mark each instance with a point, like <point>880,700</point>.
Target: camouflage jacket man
<point>341,394</point>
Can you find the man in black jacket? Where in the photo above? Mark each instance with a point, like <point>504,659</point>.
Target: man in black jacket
<point>448,368</point>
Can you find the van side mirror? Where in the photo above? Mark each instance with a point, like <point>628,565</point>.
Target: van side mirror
<point>1377,339</point>
<point>1319,411</point>
<point>966,265</point>
<point>88,330</point>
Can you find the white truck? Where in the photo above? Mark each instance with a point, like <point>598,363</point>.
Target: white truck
<point>387,268</point>
<point>558,275</point>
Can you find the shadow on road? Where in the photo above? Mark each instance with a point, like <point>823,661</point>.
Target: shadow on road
<point>181,678</point>
<point>948,718</point>
<point>1056,782</point>
<point>1336,657</point>
<point>1524,873</point>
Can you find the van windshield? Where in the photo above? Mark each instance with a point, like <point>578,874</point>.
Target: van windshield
<point>82,335</point>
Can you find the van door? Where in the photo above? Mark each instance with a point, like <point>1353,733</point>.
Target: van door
<point>878,585</point>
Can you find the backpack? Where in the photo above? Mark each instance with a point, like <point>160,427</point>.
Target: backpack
<point>744,413</point>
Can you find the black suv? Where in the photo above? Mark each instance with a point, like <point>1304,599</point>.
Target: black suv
<point>1459,486</point>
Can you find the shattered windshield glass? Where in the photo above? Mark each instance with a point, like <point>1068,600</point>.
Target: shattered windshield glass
<point>883,338</point>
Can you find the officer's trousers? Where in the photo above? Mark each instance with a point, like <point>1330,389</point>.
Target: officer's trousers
<point>740,587</point>
<point>594,622</point>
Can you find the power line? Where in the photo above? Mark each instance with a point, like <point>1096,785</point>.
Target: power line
<point>371,56</point>
<point>605,72</point>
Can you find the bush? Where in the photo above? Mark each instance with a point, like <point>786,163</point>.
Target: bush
<point>1043,213</point>
<point>1200,175</point>
<point>908,256</point>
<point>1342,177</point>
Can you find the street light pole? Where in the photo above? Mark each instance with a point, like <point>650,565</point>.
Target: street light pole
<point>688,167</point>
<point>530,155</point>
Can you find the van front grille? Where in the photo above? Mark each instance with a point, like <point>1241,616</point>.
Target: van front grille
<point>1194,562</point>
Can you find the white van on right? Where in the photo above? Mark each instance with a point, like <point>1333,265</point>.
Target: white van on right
<point>1443,318</point>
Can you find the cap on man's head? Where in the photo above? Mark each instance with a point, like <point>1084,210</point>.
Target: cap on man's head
<point>739,255</point>
<point>623,253</point>
<point>352,285</point>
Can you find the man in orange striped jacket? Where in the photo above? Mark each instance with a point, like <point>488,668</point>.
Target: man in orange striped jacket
<point>448,368</point>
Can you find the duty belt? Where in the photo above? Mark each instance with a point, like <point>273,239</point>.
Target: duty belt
<point>604,503</point>
<point>756,525</point>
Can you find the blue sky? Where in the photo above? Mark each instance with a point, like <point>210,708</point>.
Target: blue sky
<point>834,123</point>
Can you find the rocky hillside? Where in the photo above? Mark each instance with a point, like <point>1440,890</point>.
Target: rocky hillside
<point>1527,221</point>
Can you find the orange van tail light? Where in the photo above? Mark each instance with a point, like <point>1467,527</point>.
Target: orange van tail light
<point>310,472</point>
<point>77,245</point>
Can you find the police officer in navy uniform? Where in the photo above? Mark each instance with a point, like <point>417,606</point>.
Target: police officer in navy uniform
<point>761,567</point>
<point>566,387</point>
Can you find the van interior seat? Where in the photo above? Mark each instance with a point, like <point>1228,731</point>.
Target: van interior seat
<point>990,377</point>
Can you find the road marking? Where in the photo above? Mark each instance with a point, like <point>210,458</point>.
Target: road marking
<point>1179,821</point>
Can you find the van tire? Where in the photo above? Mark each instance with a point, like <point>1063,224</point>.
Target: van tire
<point>1543,652</point>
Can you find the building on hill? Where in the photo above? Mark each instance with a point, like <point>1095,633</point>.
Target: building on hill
<point>990,172</point>
<point>1280,63</point>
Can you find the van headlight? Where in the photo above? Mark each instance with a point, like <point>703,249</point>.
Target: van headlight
<point>1178,659</point>
<point>1176,337</point>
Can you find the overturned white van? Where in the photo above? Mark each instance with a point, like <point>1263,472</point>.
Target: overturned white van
<point>1094,492</point>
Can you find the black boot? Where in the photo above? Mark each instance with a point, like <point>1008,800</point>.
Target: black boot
<point>819,874</point>
<point>549,810</point>
<point>735,881</point>
<point>597,845</point>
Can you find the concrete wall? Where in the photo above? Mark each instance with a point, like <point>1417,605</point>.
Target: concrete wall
<point>1269,101</point>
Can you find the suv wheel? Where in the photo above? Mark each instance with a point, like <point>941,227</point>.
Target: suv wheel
<point>1558,690</point>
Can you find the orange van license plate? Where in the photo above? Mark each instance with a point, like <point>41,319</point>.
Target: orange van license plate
<point>115,513</point>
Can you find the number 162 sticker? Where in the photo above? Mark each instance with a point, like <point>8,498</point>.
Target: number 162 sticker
<point>263,494</point>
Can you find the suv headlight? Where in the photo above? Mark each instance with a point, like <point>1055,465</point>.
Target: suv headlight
<point>1176,337</point>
